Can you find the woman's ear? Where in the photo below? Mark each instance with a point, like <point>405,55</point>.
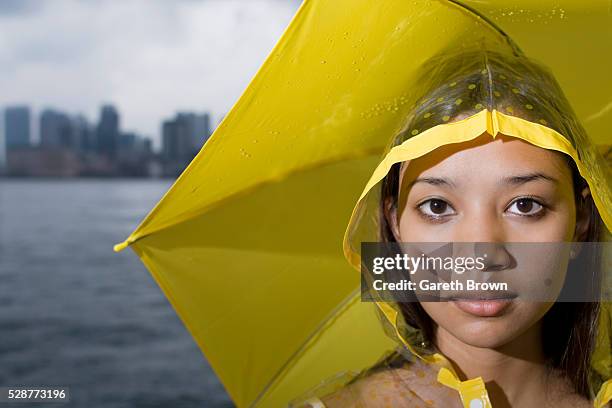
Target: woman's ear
<point>583,221</point>
<point>583,215</point>
<point>391,216</point>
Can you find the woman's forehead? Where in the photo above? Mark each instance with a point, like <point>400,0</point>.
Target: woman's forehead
<point>485,157</point>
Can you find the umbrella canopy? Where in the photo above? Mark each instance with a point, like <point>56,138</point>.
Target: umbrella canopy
<point>247,243</point>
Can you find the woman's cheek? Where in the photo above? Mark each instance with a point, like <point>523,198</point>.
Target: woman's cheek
<point>413,228</point>
<point>553,227</point>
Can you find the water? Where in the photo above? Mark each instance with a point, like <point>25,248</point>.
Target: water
<point>74,313</point>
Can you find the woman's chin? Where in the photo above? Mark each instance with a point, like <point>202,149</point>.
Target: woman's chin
<point>485,333</point>
<point>485,325</point>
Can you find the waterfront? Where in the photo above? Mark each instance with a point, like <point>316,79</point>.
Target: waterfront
<point>74,313</point>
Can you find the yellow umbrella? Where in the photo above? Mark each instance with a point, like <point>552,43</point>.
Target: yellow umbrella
<point>247,243</point>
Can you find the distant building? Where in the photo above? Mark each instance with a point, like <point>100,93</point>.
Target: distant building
<point>108,131</point>
<point>176,146</point>
<point>198,126</point>
<point>134,155</point>
<point>148,145</point>
<point>56,130</point>
<point>2,148</point>
<point>17,127</point>
<point>182,137</point>
<point>84,134</point>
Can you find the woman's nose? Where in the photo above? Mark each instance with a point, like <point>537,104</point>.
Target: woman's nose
<point>485,237</point>
<point>495,255</point>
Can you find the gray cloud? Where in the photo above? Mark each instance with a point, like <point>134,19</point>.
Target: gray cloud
<point>19,7</point>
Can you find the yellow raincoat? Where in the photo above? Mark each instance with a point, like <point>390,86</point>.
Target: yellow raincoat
<point>247,245</point>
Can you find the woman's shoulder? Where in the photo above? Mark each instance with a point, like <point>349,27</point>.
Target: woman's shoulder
<point>411,384</point>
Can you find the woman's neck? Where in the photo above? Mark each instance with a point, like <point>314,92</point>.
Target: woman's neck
<point>515,374</point>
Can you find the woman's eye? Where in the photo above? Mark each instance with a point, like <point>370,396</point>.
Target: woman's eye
<point>436,208</point>
<point>525,206</point>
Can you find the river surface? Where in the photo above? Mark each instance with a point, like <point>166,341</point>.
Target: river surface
<point>74,313</point>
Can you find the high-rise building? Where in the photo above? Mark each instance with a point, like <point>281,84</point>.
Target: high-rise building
<point>84,135</point>
<point>2,147</point>
<point>17,127</point>
<point>148,146</point>
<point>177,140</point>
<point>108,131</point>
<point>197,127</point>
<point>182,138</point>
<point>131,143</point>
<point>56,130</point>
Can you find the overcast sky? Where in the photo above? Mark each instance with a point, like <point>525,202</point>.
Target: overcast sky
<point>148,57</point>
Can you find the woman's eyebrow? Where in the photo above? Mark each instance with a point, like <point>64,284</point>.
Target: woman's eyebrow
<point>526,178</point>
<point>514,180</point>
<point>435,181</point>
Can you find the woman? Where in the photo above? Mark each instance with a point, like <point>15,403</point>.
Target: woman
<point>491,153</point>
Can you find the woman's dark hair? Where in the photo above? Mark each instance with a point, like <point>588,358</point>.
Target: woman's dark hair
<point>569,328</point>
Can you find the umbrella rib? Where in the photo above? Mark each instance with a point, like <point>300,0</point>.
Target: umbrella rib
<point>490,22</point>
<point>325,322</point>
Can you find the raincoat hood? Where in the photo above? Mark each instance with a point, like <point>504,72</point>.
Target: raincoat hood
<point>462,95</point>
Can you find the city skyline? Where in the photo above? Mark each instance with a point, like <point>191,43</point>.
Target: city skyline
<point>72,145</point>
<point>34,128</point>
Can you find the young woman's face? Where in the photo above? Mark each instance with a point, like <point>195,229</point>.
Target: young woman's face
<point>487,190</point>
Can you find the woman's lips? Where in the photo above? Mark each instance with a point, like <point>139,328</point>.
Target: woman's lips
<point>482,308</point>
